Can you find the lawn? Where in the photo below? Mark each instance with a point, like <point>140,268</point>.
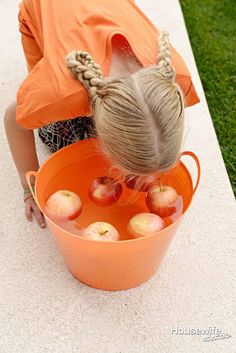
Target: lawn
<point>211,26</point>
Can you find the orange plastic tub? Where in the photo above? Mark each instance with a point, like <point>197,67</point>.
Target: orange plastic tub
<point>106,265</point>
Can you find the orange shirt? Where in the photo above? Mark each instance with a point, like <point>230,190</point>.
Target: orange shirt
<point>52,28</point>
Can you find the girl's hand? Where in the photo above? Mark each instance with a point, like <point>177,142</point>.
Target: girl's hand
<point>32,208</point>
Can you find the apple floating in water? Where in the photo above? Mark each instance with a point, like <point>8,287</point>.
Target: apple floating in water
<point>63,205</point>
<point>143,224</point>
<point>162,200</point>
<point>145,182</point>
<point>101,231</point>
<point>105,191</point>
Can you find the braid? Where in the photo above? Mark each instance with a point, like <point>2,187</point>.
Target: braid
<point>85,70</point>
<point>164,57</point>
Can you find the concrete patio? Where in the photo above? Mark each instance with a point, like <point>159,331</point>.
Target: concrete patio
<point>44,309</point>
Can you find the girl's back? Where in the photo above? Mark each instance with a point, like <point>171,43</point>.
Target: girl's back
<point>53,28</point>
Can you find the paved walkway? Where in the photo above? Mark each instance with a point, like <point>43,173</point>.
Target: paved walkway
<point>43,309</point>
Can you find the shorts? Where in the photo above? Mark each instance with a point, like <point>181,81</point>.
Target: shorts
<point>63,133</point>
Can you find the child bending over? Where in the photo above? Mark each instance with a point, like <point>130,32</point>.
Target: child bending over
<point>127,85</point>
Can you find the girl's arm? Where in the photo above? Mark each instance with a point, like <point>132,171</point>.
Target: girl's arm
<point>23,150</point>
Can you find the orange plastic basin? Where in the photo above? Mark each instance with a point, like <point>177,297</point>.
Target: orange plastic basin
<point>106,265</point>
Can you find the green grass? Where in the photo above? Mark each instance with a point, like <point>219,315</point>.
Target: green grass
<point>211,25</point>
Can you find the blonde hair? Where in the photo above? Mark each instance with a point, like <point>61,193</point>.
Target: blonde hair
<point>139,117</point>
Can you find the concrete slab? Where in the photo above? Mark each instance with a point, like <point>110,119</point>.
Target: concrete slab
<point>44,309</point>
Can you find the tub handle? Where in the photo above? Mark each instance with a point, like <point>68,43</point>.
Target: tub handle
<point>28,177</point>
<point>193,155</point>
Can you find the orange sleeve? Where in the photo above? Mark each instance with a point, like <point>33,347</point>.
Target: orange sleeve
<point>186,85</point>
<point>191,97</point>
<point>30,47</point>
<point>183,79</point>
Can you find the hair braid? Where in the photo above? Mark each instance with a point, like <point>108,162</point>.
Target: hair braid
<point>84,68</point>
<point>164,56</point>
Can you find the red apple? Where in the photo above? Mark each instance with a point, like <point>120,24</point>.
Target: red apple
<point>140,183</point>
<point>105,191</point>
<point>143,224</point>
<point>63,205</point>
<point>101,231</point>
<point>162,200</point>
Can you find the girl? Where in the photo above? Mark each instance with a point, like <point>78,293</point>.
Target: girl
<point>127,84</point>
